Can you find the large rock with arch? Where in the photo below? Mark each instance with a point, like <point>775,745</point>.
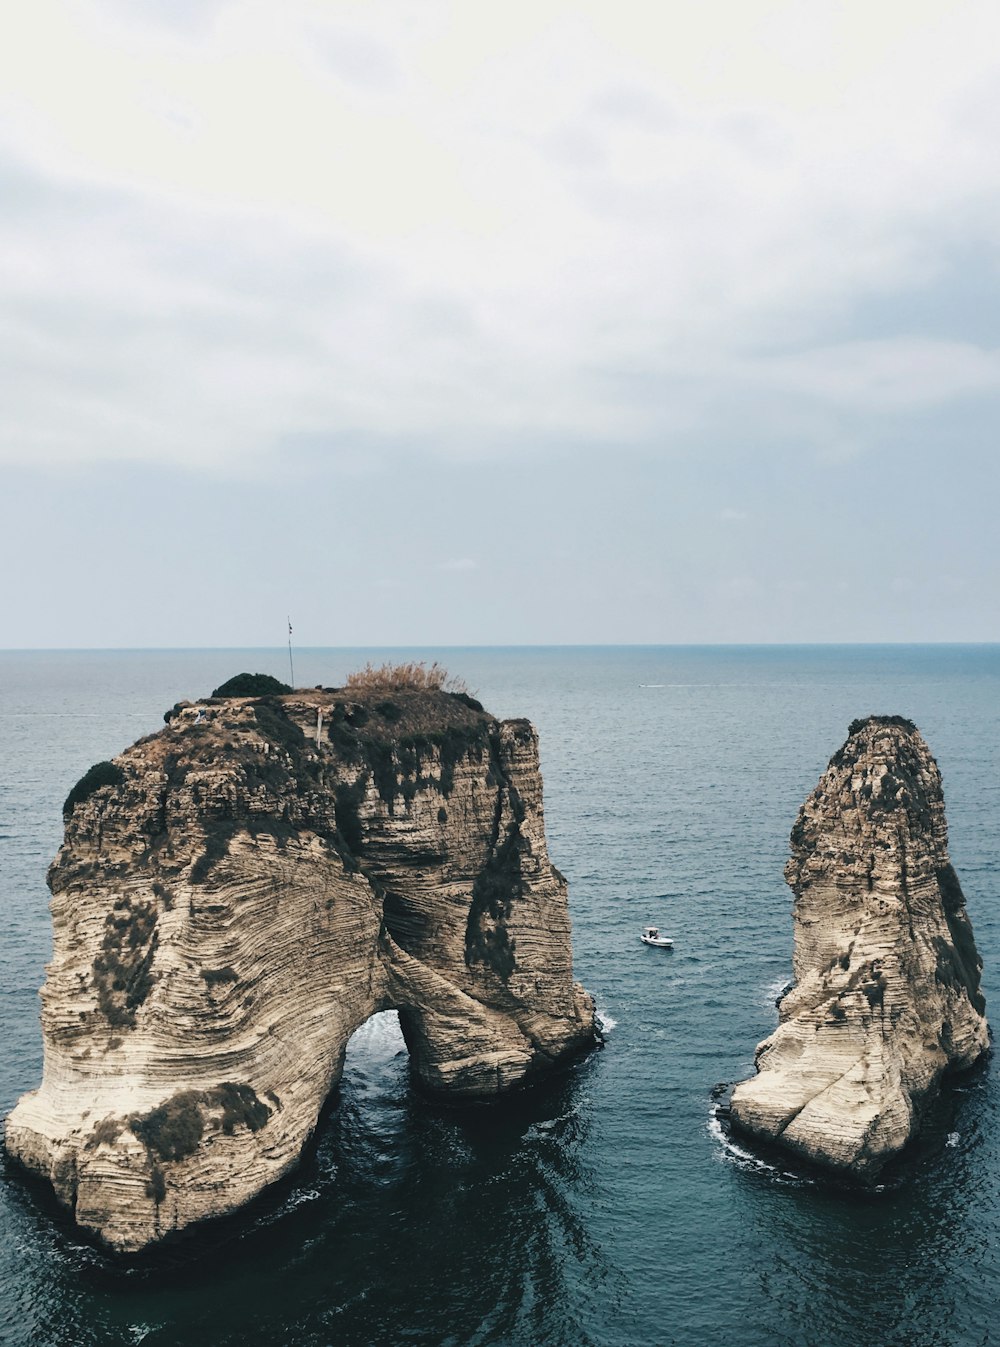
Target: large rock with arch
<point>238,893</point>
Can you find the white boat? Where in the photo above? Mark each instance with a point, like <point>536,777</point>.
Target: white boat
<point>651,936</point>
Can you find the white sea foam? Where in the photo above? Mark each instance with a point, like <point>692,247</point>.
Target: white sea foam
<point>772,991</point>
<point>605,1022</point>
<point>300,1198</point>
<point>732,1153</point>
<point>953,1139</point>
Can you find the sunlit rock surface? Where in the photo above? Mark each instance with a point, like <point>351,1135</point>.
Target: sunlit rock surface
<point>886,995</point>
<point>238,893</point>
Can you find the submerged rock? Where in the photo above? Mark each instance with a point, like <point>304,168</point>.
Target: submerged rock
<point>886,995</point>
<point>246,888</point>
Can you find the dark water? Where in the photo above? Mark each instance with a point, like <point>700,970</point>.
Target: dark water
<point>603,1207</point>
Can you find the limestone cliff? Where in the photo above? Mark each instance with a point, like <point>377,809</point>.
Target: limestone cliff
<point>886,995</point>
<point>238,893</point>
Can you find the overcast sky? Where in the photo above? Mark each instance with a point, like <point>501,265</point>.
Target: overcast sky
<point>472,323</point>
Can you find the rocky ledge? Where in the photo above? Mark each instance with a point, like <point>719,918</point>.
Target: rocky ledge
<point>886,994</point>
<point>240,892</point>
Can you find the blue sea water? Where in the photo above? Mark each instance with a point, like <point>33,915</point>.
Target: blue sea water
<point>606,1206</point>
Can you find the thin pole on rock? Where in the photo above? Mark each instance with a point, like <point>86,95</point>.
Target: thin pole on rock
<point>291,666</point>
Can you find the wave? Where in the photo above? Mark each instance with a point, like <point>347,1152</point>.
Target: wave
<point>733,1153</point>
<point>138,1333</point>
<point>775,992</point>
<point>730,1152</point>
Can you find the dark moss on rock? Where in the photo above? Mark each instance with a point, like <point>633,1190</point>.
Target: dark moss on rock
<point>348,799</point>
<point>467,700</point>
<point>95,778</point>
<point>217,976</point>
<point>252,685</point>
<point>123,976</point>
<point>496,889</point>
<point>900,722</point>
<point>106,1133</point>
<point>174,1129</point>
<point>274,722</point>
<point>217,842</point>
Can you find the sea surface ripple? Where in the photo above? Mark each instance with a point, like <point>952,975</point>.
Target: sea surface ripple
<point>606,1206</point>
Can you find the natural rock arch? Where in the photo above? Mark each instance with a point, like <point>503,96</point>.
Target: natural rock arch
<point>256,882</point>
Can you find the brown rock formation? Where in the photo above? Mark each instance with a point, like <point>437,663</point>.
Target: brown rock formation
<point>238,893</point>
<point>886,995</point>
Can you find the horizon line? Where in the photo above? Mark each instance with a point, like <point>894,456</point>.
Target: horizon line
<point>513,645</point>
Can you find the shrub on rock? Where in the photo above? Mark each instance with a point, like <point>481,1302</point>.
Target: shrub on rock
<point>251,685</point>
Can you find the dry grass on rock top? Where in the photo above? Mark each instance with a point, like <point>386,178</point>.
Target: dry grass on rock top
<point>414,675</point>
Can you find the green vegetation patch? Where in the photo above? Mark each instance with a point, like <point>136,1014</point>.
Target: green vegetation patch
<point>156,1188</point>
<point>402,771</point>
<point>218,836</point>
<point>800,831</point>
<point>106,1133</point>
<point>454,745</point>
<point>348,799</point>
<point>901,788</point>
<point>94,779</point>
<point>900,722</point>
<point>467,700</point>
<point>875,989</point>
<point>274,722</point>
<point>165,894</point>
<point>173,1130</point>
<point>252,685</point>
<point>497,887</point>
<point>216,976</point>
<point>123,975</point>
<point>868,979</point>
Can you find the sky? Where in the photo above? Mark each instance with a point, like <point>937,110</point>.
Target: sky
<point>461,323</point>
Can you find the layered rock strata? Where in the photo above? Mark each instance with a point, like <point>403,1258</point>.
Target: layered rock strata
<point>238,893</point>
<point>886,994</point>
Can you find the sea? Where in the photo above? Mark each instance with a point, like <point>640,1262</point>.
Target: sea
<point>606,1205</point>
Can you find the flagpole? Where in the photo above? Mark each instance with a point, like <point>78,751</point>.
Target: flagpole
<point>291,666</point>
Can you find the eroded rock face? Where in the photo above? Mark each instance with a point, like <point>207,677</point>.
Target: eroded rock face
<point>239,894</point>
<point>886,995</point>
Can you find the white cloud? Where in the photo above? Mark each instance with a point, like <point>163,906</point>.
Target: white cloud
<point>880,375</point>
<point>459,564</point>
<point>465,228</point>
